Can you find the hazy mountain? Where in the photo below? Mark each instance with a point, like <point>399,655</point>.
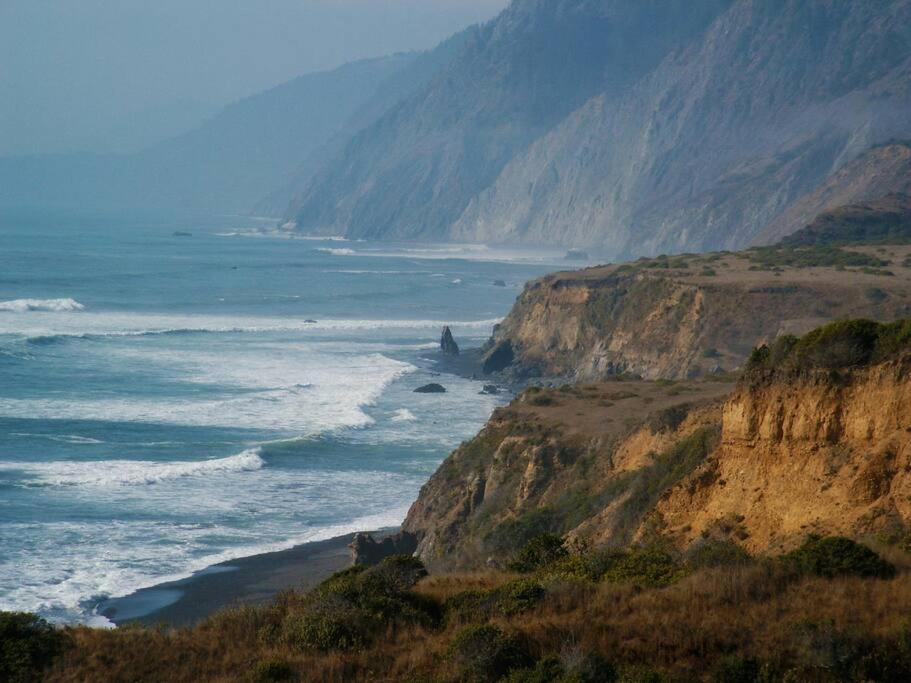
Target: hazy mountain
<point>626,126</point>
<point>719,139</point>
<point>881,170</point>
<point>414,171</point>
<point>228,163</point>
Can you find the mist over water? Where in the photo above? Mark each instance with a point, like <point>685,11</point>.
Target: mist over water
<point>169,402</point>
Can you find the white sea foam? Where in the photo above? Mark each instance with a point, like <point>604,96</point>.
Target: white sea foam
<point>61,438</point>
<point>81,574</point>
<point>404,415</point>
<point>342,251</point>
<point>27,305</point>
<point>132,472</point>
<point>44,326</point>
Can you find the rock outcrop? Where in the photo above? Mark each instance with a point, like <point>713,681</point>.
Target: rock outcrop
<point>817,455</point>
<point>365,549</point>
<point>791,451</point>
<point>432,388</point>
<point>447,344</point>
<point>571,461</point>
<point>678,317</point>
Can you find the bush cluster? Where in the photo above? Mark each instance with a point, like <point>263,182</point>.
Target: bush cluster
<point>486,653</point>
<point>539,552</point>
<point>349,608</point>
<point>28,645</point>
<point>810,256</point>
<point>509,599</point>
<point>834,346</point>
<point>836,556</point>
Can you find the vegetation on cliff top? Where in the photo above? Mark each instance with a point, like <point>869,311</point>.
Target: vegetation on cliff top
<point>645,614</point>
<point>838,345</point>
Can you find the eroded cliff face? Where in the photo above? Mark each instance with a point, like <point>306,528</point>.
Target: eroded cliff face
<point>762,464</point>
<point>587,461</point>
<point>828,453</point>
<point>687,316</point>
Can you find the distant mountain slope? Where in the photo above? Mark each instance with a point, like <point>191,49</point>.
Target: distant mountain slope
<point>883,169</point>
<point>246,151</point>
<point>719,139</point>
<point>413,172</point>
<point>886,221</point>
<point>415,74</point>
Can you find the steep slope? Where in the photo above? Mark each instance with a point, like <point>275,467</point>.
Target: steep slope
<point>228,163</point>
<point>690,315</point>
<point>412,173</point>
<point>814,439</point>
<point>824,452</point>
<point>718,140</point>
<point>884,220</point>
<point>389,92</point>
<point>882,170</point>
<point>581,458</point>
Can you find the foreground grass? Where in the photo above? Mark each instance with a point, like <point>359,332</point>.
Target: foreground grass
<point>640,616</point>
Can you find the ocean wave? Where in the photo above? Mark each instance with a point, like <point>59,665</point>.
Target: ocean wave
<point>108,473</point>
<point>62,438</point>
<point>404,415</point>
<point>54,305</point>
<point>344,251</point>
<point>50,328</point>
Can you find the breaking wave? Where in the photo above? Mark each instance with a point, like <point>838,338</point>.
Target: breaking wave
<point>133,472</point>
<point>26,305</point>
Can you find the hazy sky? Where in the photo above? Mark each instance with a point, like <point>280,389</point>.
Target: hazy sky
<point>92,74</point>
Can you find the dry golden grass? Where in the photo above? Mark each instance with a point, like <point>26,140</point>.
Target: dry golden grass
<point>683,630</point>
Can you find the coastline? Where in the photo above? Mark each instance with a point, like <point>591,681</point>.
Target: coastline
<point>256,579</point>
<point>248,580</point>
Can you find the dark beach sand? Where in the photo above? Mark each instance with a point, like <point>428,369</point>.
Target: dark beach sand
<point>247,580</point>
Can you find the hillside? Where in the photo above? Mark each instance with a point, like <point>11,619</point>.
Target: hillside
<point>812,440</point>
<point>882,170</point>
<point>622,127</point>
<point>623,531</point>
<point>412,173</point>
<point>690,315</point>
<point>886,220</point>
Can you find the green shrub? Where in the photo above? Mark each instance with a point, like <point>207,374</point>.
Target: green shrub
<point>811,256</point>
<point>486,653</point>
<point>542,400</point>
<point>643,567</point>
<point>507,600</point>
<point>335,627</point>
<point>586,567</point>
<point>837,345</point>
<point>539,552</point>
<point>711,553</point>
<point>836,556</point>
<point>271,671</point>
<point>28,645</point>
<point>572,668</point>
<point>350,607</point>
<point>735,669</point>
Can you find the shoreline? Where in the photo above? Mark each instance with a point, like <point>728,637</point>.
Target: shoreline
<point>251,580</point>
<point>256,579</point>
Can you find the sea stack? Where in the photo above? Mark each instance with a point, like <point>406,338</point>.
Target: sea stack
<point>447,344</point>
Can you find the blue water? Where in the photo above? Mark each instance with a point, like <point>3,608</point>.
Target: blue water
<point>171,402</point>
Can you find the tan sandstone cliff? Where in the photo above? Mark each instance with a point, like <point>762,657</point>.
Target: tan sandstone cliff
<point>691,315</point>
<point>820,454</point>
<point>807,443</point>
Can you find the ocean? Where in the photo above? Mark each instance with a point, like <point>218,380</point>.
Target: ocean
<point>171,401</point>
